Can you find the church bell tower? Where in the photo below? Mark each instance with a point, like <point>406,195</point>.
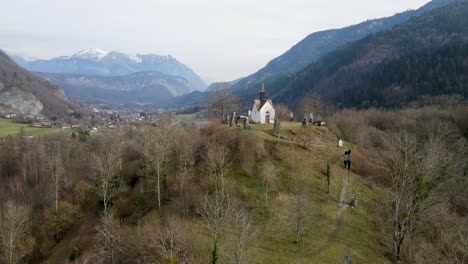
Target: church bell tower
<point>263,96</point>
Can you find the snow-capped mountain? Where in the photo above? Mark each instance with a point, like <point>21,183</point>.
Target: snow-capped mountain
<point>98,62</point>
<point>91,54</point>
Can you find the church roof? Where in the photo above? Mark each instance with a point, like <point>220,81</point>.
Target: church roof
<point>258,104</point>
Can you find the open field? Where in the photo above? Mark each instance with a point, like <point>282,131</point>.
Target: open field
<point>8,128</point>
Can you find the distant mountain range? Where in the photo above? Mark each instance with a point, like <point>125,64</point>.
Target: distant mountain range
<point>23,92</point>
<point>427,55</point>
<point>140,87</point>
<point>114,63</point>
<point>115,77</point>
<point>316,45</point>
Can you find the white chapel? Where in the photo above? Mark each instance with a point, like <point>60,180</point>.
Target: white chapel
<point>263,111</point>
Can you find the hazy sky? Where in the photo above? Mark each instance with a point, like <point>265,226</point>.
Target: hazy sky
<point>219,39</point>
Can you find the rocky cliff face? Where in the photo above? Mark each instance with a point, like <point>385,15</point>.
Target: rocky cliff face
<point>14,99</point>
<point>23,92</point>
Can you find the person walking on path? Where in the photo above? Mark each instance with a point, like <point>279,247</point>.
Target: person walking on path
<point>347,160</point>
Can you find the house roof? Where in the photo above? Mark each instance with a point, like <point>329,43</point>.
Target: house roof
<point>258,104</point>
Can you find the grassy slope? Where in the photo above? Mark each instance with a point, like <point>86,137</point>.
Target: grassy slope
<point>323,240</point>
<point>7,127</point>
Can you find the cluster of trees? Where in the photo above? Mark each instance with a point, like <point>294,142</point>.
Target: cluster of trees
<point>135,193</point>
<point>419,156</point>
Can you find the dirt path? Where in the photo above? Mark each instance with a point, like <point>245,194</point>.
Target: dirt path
<point>270,136</point>
<point>344,189</point>
<point>341,207</point>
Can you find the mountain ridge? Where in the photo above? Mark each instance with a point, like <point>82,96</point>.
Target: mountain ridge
<point>427,55</point>
<point>140,87</point>
<point>113,63</point>
<point>26,93</point>
<point>317,44</point>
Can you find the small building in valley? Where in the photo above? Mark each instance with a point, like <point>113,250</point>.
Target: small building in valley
<point>263,111</point>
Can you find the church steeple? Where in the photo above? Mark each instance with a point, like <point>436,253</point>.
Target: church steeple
<point>263,97</point>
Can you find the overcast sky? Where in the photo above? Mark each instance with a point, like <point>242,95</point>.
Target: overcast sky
<point>218,39</point>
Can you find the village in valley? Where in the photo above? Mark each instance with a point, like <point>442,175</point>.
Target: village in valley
<point>105,117</point>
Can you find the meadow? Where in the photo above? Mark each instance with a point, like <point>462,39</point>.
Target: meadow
<point>9,128</point>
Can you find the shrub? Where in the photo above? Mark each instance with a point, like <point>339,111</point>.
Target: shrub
<point>58,222</point>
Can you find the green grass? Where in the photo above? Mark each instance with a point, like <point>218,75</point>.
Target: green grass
<point>322,240</point>
<point>8,128</point>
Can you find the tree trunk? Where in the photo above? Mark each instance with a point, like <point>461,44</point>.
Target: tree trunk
<point>279,130</point>
<point>56,196</point>
<point>298,229</point>
<point>159,188</point>
<point>222,114</point>
<point>222,182</point>
<point>104,202</point>
<point>214,253</point>
<point>328,177</point>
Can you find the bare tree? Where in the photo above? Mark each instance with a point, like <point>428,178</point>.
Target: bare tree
<point>217,158</point>
<point>298,208</point>
<point>416,172</point>
<point>155,147</point>
<point>223,101</point>
<point>15,239</point>
<point>186,147</point>
<point>453,241</point>
<point>281,114</point>
<point>243,232</point>
<point>56,173</point>
<point>106,161</point>
<point>269,177</point>
<point>309,104</point>
<point>169,242</point>
<point>108,240</point>
<point>216,212</point>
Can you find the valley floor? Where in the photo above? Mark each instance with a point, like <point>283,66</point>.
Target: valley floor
<point>9,128</point>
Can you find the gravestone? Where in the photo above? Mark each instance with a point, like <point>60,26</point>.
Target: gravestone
<point>353,202</point>
<point>348,260</point>
<point>305,122</point>
<point>311,118</point>
<point>232,119</point>
<point>340,143</point>
<point>246,123</point>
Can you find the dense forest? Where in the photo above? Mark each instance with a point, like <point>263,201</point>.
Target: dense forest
<point>425,56</point>
<point>318,44</point>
